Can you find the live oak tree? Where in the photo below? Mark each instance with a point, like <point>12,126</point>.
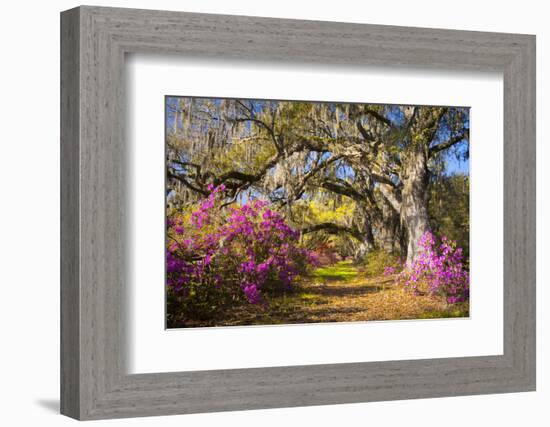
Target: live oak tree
<point>399,156</point>
<point>380,158</point>
<point>392,149</point>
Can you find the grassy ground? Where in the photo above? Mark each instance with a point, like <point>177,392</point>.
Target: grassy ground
<point>341,293</point>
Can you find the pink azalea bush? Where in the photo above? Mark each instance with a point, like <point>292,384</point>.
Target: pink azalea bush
<point>438,270</point>
<point>221,255</point>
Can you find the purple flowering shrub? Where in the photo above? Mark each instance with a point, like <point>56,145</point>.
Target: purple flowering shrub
<point>438,270</point>
<point>219,256</point>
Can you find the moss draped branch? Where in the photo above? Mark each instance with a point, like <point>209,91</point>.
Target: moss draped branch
<point>333,228</point>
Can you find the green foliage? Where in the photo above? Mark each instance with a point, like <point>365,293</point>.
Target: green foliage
<point>341,271</point>
<point>377,261</point>
<point>331,211</point>
<point>449,208</point>
<point>339,211</point>
<point>453,311</point>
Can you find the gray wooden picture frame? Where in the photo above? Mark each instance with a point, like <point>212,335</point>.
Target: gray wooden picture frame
<point>94,382</point>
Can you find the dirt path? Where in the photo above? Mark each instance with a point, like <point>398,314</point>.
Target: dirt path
<point>340,293</point>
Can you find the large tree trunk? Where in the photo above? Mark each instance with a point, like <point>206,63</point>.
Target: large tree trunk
<point>388,227</point>
<point>414,203</point>
<point>368,243</point>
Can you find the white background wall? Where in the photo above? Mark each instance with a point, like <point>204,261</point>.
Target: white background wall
<point>29,214</point>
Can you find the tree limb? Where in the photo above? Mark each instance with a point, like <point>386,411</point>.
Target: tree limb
<point>333,228</point>
<point>392,196</point>
<point>344,188</point>
<point>366,135</point>
<point>450,142</point>
<point>182,179</point>
<point>379,117</point>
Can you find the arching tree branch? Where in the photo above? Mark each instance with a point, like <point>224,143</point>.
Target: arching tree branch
<point>333,228</point>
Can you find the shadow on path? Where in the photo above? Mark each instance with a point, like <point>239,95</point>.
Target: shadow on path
<point>339,290</point>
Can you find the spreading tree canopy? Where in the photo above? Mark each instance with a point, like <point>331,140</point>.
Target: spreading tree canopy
<point>387,168</point>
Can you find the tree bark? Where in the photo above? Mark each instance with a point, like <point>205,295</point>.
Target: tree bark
<point>367,243</point>
<point>414,203</point>
<point>390,229</point>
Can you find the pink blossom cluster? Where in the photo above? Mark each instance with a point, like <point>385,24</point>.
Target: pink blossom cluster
<point>438,269</point>
<point>389,270</point>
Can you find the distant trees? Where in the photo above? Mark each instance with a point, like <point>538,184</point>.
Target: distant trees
<point>449,209</point>
<point>388,163</point>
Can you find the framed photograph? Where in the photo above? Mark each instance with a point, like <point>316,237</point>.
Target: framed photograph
<point>261,213</point>
<point>285,212</point>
